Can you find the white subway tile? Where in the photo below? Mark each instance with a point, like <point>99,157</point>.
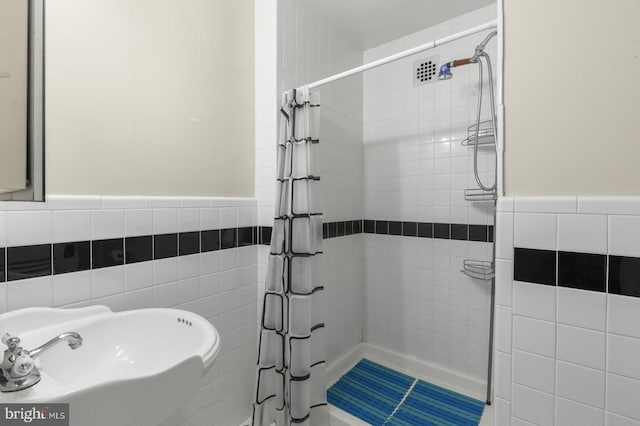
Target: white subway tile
<point>138,275</point>
<point>609,205</point>
<point>165,295</point>
<point>229,259</point>
<point>536,231</point>
<point>504,282</point>
<point>622,396</point>
<point>228,217</point>
<point>505,204</point>
<point>138,299</point>
<point>503,337</point>
<point>23,206</point>
<point>29,293</point>
<point>581,346</point>
<point>582,308</point>
<point>623,354</point>
<point>209,285</point>
<point>138,222</point>
<point>532,405</point>
<point>71,225</point>
<point>624,234</point>
<point>616,420</point>
<point>165,221</point>
<point>188,290</point>
<point>189,220</point>
<point>247,216</point>
<point>188,266</point>
<point>161,202</point>
<point>165,270</point>
<point>534,371</point>
<point>73,202</point>
<point>504,235</point>
<point>582,233</point>
<point>210,218</point>
<point>209,262</point>
<point>534,300</point>
<point>546,204</point>
<point>515,421</point>
<point>502,412</point>
<point>581,384</point>
<point>28,227</point>
<point>107,224</point>
<point>3,229</point>
<point>3,298</point>
<point>71,288</point>
<point>535,336</point>
<point>195,202</point>
<point>107,281</point>
<point>123,202</point>
<point>623,315</point>
<point>573,413</point>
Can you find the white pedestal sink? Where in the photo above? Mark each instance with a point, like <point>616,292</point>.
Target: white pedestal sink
<point>133,368</point>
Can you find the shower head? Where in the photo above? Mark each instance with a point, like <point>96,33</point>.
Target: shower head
<point>445,72</point>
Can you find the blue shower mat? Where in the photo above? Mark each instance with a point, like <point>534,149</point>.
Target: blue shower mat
<point>375,393</point>
<point>428,404</point>
<point>370,391</point>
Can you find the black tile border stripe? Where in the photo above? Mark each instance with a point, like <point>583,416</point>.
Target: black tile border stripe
<point>448,231</point>
<point>535,266</point>
<point>18,263</point>
<point>39,260</point>
<point>584,271</point>
<point>623,275</point>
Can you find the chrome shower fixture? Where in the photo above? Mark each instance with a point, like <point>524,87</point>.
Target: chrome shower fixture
<point>445,69</point>
<point>445,72</point>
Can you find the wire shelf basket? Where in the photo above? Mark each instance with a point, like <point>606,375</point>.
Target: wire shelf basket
<point>479,269</point>
<point>486,135</point>
<point>477,194</point>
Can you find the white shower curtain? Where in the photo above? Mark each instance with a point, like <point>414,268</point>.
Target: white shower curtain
<point>291,383</point>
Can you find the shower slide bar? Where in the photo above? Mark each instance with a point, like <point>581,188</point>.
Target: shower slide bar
<point>400,55</point>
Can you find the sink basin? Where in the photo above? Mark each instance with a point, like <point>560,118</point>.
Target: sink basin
<point>133,368</point>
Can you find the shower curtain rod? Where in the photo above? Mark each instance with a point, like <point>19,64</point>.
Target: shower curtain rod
<point>405,53</point>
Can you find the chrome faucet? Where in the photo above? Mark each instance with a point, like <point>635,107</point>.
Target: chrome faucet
<point>18,370</point>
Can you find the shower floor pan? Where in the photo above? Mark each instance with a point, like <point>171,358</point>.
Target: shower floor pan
<point>403,373</point>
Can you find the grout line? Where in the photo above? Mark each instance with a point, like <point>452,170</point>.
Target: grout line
<point>406,395</point>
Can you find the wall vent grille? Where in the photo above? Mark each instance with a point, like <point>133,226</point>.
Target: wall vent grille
<point>425,70</point>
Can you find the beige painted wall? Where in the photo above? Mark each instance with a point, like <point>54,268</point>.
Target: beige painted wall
<point>572,97</point>
<point>151,97</point>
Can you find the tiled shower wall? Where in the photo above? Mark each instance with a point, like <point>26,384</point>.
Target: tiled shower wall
<point>567,338</point>
<point>197,254</point>
<point>308,47</point>
<point>415,170</point>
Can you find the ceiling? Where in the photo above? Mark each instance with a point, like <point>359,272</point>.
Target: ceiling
<point>370,23</point>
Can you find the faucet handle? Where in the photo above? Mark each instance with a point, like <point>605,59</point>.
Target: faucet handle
<point>22,366</point>
<point>11,341</point>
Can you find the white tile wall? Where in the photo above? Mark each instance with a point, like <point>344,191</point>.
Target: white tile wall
<point>223,292</point>
<point>587,340</point>
<point>534,300</point>
<point>414,169</point>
